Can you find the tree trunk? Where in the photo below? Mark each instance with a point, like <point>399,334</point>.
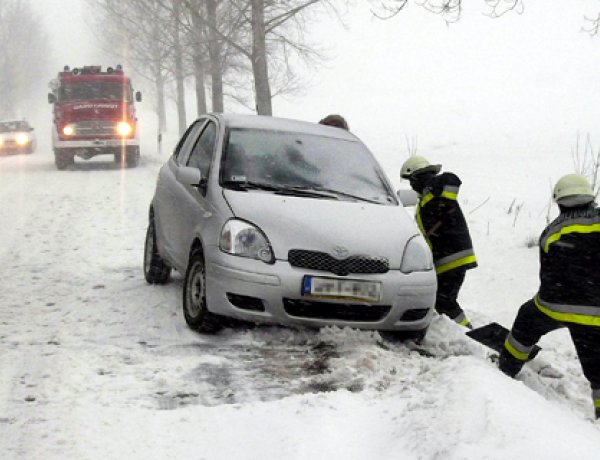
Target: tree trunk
<point>259,60</point>
<point>181,116</point>
<point>198,58</point>
<point>160,103</point>
<point>200,92</point>
<point>214,54</point>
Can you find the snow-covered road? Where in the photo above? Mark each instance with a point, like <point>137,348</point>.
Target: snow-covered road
<point>96,364</point>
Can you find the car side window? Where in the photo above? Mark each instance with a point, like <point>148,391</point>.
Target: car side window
<point>187,141</point>
<point>201,156</point>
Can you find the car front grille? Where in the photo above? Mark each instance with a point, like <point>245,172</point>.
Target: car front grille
<point>335,311</point>
<point>95,128</point>
<point>322,261</point>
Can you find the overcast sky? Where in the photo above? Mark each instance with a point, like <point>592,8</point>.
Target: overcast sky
<point>522,79</point>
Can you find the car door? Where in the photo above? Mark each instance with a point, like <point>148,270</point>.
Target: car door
<point>193,203</point>
<point>167,212</point>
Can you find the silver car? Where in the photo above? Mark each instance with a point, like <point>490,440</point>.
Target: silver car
<point>287,222</point>
<point>17,136</point>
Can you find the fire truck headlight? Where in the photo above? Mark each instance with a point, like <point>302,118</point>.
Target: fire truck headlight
<point>1,141</point>
<point>22,139</point>
<point>68,130</point>
<point>124,128</point>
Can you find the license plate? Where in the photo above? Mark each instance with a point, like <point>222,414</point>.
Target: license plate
<point>335,288</point>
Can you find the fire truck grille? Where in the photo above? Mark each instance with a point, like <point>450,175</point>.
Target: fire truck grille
<point>322,261</point>
<point>95,128</point>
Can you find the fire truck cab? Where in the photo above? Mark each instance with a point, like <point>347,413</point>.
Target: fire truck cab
<point>94,114</point>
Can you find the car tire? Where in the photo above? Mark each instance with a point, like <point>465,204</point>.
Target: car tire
<point>195,310</point>
<point>156,270</point>
<point>63,159</point>
<point>403,336</point>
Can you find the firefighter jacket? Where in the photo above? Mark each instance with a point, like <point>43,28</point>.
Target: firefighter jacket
<point>569,260</point>
<point>443,224</point>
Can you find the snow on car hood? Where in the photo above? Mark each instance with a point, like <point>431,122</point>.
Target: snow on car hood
<point>321,224</point>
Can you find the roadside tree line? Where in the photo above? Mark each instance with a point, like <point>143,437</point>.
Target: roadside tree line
<point>245,50</point>
<point>23,55</point>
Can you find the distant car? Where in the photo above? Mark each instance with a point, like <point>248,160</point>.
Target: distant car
<point>17,137</point>
<point>287,222</point>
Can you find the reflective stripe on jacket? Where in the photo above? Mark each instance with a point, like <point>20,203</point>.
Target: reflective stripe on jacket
<point>443,224</point>
<point>580,314</point>
<point>569,259</point>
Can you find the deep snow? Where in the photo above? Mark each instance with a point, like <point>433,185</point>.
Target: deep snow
<point>97,364</point>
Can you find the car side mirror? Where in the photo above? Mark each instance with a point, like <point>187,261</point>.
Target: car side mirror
<point>407,197</point>
<point>188,175</point>
<point>138,96</point>
<point>51,98</point>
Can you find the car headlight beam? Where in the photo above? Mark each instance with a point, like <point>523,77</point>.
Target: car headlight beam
<point>22,139</point>
<point>243,239</point>
<point>124,128</point>
<point>417,256</point>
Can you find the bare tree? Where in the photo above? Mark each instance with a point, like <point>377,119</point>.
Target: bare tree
<point>23,54</point>
<point>140,32</point>
<point>178,61</point>
<point>587,162</point>
<point>449,10</point>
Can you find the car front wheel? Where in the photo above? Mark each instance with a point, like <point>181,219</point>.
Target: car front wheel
<point>195,311</point>
<point>156,271</point>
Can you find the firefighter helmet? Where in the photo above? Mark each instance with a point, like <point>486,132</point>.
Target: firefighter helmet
<point>417,164</point>
<point>573,190</point>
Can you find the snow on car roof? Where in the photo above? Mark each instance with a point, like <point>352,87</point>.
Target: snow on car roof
<point>282,124</point>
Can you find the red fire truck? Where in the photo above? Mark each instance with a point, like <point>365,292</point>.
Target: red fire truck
<point>94,114</point>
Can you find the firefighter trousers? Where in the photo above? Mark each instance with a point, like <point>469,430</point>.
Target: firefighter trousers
<point>531,324</point>
<point>446,303</point>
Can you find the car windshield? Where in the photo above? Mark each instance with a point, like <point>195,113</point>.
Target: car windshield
<point>295,162</point>
<point>106,90</point>
<point>13,126</point>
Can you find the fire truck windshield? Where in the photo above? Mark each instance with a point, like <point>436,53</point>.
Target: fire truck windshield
<point>86,90</point>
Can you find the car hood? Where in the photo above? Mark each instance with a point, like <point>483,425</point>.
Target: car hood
<point>322,224</point>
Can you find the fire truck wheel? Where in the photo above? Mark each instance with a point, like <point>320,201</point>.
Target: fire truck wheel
<point>63,159</point>
<point>132,158</point>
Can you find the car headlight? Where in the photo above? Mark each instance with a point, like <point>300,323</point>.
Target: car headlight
<point>68,130</point>
<point>124,128</point>
<point>22,139</point>
<point>417,256</point>
<point>243,239</point>
<point>1,141</point>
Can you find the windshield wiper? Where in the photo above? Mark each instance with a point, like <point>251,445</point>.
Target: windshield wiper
<point>249,185</point>
<point>339,193</point>
<point>280,189</point>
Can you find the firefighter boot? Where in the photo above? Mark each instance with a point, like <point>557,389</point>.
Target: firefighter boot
<point>509,364</point>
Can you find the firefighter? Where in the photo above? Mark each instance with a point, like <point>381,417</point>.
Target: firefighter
<point>444,227</point>
<point>569,293</point>
<point>335,120</point>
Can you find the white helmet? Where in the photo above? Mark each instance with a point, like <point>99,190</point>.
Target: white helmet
<point>573,190</point>
<point>418,164</point>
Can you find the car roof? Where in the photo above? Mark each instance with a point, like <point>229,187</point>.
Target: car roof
<point>20,124</point>
<point>232,120</point>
